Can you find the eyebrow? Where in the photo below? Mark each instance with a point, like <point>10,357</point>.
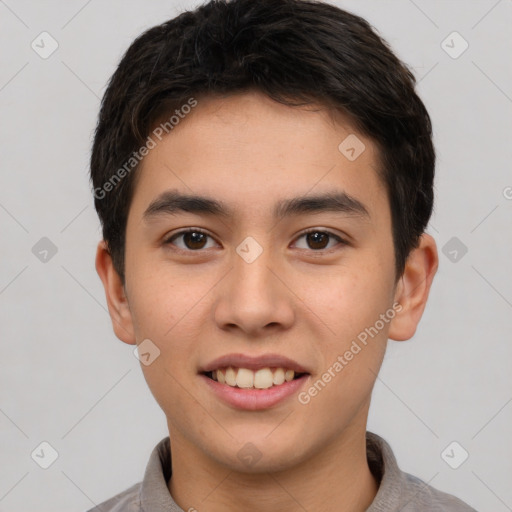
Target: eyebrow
<point>173,202</point>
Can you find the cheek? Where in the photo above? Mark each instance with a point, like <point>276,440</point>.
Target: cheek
<point>158,302</point>
<point>164,307</point>
<point>351,299</point>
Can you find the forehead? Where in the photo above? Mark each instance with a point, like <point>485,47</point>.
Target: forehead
<point>251,153</point>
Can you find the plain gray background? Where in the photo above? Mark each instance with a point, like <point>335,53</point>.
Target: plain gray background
<point>67,380</point>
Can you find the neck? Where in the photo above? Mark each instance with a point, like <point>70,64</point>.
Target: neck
<point>335,479</point>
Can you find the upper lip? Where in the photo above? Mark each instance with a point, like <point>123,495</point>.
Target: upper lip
<point>254,363</point>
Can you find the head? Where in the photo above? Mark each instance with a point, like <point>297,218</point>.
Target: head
<point>273,118</point>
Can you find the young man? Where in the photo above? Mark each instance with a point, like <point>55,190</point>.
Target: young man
<point>263,172</point>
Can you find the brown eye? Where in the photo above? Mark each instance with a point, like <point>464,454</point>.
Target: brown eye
<point>192,240</point>
<point>319,240</point>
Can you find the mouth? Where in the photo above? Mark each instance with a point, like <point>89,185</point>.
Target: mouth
<point>254,383</point>
<point>245,378</point>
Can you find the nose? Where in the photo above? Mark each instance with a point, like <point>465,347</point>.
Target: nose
<point>254,297</point>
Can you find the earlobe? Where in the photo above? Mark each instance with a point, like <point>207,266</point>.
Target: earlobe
<point>413,288</point>
<point>117,302</point>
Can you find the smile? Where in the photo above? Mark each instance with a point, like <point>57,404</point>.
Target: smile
<point>245,378</point>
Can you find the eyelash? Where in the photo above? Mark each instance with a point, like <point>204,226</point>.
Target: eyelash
<point>169,240</point>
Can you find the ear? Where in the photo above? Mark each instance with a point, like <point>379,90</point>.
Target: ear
<point>413,288</point>
<point>117,302</point>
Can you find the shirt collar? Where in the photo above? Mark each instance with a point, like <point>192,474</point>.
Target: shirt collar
<point>155,496</point>
<point>384,467</point>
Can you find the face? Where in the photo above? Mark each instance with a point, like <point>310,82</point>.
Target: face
<point>259,282</point>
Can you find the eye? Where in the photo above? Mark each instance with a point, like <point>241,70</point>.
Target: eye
<point>193,239</point>
<point>318,240</point>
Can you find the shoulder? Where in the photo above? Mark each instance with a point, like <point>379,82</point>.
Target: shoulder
<point>151,493</point>
<point>402,491</point>
<point>126,501</point>
<point>419,495</point>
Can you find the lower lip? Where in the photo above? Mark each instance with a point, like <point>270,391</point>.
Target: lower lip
<point>255,399</point>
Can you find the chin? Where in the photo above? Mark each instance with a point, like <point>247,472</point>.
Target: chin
<point>256,454</point>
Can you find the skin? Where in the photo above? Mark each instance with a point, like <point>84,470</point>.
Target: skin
<point>295,299</point>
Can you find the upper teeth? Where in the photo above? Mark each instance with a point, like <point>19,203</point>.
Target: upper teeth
<point>245,378</point>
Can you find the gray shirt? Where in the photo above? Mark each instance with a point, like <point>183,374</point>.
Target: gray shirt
<point>398,491</point>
